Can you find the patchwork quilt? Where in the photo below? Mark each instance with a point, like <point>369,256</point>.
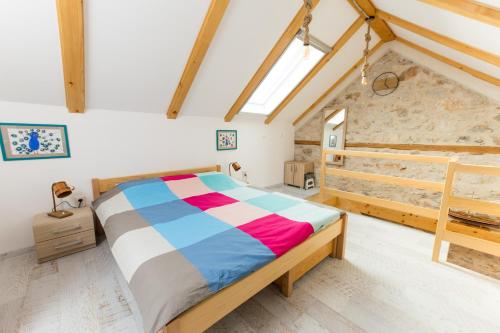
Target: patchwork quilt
<point>179,239</point>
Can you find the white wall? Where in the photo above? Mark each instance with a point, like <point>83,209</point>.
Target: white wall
<point>108,143</point>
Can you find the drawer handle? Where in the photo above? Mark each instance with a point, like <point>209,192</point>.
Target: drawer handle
<point>61,230</point>
<point>68,244</point>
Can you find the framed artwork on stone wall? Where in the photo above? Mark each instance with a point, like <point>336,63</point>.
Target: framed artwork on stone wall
<point>33,141</point>
<point>227,139</point>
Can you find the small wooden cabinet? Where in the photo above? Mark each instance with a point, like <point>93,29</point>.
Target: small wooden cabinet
<point>295,172</point>
<point>55,238</point>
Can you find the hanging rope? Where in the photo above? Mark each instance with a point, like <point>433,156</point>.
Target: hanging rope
<point>307,20</point>
<point>368,37</point>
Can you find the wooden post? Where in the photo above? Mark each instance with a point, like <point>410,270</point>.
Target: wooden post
<point>339,243</point>
<point>443,212</point>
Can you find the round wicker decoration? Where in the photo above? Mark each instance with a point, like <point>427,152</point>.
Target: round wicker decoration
<point>385,84</point>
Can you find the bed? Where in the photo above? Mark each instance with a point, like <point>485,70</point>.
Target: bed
<point>195,244</point>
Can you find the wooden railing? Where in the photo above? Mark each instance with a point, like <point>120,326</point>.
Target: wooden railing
<point>400,181</point>
<point>459,235</point>
<point>479,206</point>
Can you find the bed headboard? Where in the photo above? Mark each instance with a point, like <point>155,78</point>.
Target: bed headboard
<point>101,185</point>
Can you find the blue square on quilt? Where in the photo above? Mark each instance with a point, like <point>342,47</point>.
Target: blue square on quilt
<point>243,193</point>
<point>318,217</point>
<point>167,211</point>
<point>191,229</point>
<point>218,182</point>
<point>227,257</point>
<point>147,193</point>
<point>273,202</point>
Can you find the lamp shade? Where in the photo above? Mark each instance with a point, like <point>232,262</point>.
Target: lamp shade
<point>61,189</point>
<point>236,166</point>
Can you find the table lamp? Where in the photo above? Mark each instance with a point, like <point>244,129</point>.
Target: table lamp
<point>60,190</point>
<point>235,166</point>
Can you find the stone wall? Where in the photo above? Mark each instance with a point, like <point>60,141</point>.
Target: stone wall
<point>427,108</point>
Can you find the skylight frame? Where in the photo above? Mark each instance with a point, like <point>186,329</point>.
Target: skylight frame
<point>287,72</point>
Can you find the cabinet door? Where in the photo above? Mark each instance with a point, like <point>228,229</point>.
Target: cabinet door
<point>298,176</point>
<point>289,173</point>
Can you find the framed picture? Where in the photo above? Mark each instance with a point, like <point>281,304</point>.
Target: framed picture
<point>227,139</point>
<point>33,141</point>
<point>332,142</point>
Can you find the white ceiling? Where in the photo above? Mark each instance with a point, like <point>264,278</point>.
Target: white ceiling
<point>30,55</point>
<point>136,49</point>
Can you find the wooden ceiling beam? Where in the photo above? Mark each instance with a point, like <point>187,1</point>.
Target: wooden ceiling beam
<point>205,35</point>
<point>444,40</point>
<point>470,8</point>
<point>446,60</point>
<point>313,106</point>
<point>70,20</point>
<point>317,68</point>
<point>378,25</point>
<point>273,56</point>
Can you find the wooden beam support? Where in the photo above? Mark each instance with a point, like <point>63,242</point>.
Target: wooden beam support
<point>336,84</point>
<point>451,62</point>
<point>273,56</point>
<point>326,58</point>
<point>379,25</point>
<point>70,18</point>
<point>205,35</point>
<point>444,40</point>
<point>470,8</point>
<point>308,142</point>
<point>423,147</point>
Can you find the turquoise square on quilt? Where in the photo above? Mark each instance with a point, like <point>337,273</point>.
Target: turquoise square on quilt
<point>273,202</point>
<point>191,229</point>
<point>227,257</point>
<point>147,193</point>
<point>318,217</point>
<point>243,193</point>
<point>218,182</point>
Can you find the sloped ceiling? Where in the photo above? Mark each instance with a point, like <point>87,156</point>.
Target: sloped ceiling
<point>30,56</point>
<point>136,50</point>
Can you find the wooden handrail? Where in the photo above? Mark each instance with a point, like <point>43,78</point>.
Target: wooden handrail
<point>481,169</point>
<point>472,242</point>
<point>400,181</point>
<point>391,156</point>
<point>417,210</point>
<point>476,205</point>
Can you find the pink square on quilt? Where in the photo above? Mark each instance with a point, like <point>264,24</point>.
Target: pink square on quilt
<point>278,233</point>
<point>209,200</point>
<point>177,177</point>
<point>237,213</point>
<point>188,187</point>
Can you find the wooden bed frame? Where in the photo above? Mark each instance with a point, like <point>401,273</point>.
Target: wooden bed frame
<point>283,271</point>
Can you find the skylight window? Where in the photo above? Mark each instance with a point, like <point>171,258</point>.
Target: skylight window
<point>338,118</point>
<point>288,71</point>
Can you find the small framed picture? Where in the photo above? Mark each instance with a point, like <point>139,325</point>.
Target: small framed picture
<point>332,142</point>
<point>33,141</point>
<point>227,139</point>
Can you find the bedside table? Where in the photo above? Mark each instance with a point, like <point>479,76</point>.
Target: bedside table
<point>56,238</point>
